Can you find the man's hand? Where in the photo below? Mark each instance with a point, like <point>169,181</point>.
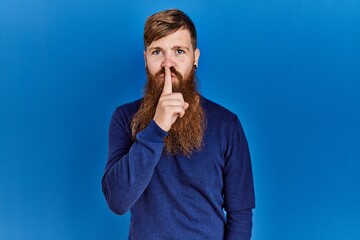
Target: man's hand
<point>170,106</point>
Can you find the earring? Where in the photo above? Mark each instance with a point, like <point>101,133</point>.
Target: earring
<point>195,66</point>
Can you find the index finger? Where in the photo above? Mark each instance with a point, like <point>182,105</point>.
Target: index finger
<point>167,83</point>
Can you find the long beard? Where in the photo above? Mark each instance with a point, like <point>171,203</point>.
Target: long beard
<point>186,134</point>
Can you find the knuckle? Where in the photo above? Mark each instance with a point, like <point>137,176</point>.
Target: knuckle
<point>179,95</point>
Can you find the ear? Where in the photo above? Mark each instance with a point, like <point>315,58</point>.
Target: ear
<point>196,57</point>
<point>145,57</point>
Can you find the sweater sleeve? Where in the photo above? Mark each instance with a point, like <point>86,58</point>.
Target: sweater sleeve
<point>130,165</point>
<point>239,194</point>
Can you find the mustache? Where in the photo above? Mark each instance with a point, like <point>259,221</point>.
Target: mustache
<point>172,70</point>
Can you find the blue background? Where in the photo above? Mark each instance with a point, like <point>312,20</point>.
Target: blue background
<point>289,69</point>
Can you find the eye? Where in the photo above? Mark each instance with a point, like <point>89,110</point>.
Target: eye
<point>179,51</point>
<point>156,52</point>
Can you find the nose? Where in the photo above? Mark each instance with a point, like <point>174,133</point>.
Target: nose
<point>168,61</point>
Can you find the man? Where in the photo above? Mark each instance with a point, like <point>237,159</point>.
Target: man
<point>176,159</point>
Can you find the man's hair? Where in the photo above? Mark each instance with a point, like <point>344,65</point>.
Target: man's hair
<point>167,22</point>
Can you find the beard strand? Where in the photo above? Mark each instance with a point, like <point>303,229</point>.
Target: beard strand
<point>186,134</point>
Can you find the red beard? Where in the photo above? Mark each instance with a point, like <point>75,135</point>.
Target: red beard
<point>186,134</point>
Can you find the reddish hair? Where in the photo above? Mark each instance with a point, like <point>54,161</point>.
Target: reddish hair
<point>166,22</point>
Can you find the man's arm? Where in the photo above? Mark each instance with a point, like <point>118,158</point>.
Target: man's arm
<point>130,167</point>
<point>239,225</point>
<point>238,187</point>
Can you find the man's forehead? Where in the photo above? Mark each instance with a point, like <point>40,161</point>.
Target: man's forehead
<point>180,38</point>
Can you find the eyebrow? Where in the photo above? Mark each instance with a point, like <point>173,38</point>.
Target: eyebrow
<point>173,48</point>
<point>154,48</point>
<point>183,47</point>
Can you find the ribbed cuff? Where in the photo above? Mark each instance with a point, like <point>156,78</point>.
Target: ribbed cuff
<point>153,133</point>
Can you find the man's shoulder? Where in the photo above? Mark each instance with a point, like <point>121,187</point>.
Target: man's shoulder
<point>216,109</point>
<point>128,109</point>
<point>219,118</point>
<point>130,105</point>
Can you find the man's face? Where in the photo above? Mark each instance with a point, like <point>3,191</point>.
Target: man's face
<point>174,50</point>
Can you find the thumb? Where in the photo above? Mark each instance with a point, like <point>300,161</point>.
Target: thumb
<point>186,105</point>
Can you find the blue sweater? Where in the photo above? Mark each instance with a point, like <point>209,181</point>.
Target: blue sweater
<point>175,197</point>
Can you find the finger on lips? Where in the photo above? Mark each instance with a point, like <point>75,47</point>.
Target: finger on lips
<point>175,100</point>
<point>167,82</point>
